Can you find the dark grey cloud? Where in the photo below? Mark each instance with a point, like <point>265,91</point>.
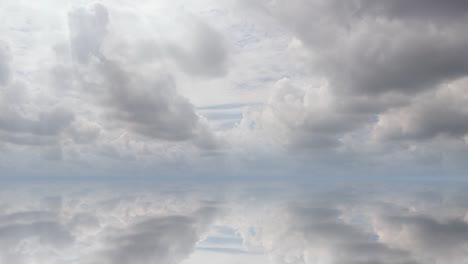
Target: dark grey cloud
<point>151,105</point>
<point>442,113</point>
<point>431,10</point>
<point>429,122</point>
<point>322,229</point>
<point>47,123</point>
<point>432,239</point>
<point>44,129</point>
<point>443,238</point>
<point>361,52</point>
<point>164,240</point>
<point>373,47</point>
<point>410,64</point>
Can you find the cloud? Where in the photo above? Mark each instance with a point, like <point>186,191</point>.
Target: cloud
<point>143,102</point>
<point>207,53</point>
<point>45,128</point>
<point>360,51</point>
<point>27,235</point>
<point>93,226</point>
<point>47,123</point>
<point>434,240</point>
<point>21,121</point>
<point>430,10</point>
<point>5,57</point>
<point>382,224</point>
<point>88,29</point>
<point>440,113</point>
<point>381,81</point>
<point>305,118</point>
<point>165,240</point>
<point>150,104</point>
<point>84,132</point>
<point>319,235</point>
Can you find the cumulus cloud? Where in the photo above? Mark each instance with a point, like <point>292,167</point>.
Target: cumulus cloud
<point>309,118</point>
<point>440,113</point>
<point>363,52</point>
<point>145,102</point>
<point>150,104</point>
<point>387,74</point>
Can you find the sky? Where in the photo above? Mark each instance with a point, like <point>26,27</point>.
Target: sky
<point>233,88</point>
<point>233,131</point>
